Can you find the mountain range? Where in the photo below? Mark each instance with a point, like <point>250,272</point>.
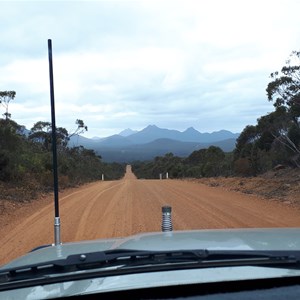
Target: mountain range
<point>129,145</point>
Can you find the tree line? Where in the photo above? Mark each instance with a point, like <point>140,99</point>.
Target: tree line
<point>273,141</point>
<point>209,162</point>
<point>26,157</point>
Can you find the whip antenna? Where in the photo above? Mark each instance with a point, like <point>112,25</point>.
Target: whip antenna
<point>54,150</point>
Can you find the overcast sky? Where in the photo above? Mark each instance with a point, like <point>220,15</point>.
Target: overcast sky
<point>128,64</point>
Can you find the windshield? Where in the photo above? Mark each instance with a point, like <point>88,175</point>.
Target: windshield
<point>179,117</point>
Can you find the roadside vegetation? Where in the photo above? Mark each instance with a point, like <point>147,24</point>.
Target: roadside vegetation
<point>274,142</point>
<point>26,159</point>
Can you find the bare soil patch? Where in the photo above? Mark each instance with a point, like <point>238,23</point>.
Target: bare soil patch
<point>279,185</point>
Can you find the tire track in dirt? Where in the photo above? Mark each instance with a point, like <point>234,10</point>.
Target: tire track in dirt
<point>231,210</point>
<point>90,209</point>
<point>37,229</point>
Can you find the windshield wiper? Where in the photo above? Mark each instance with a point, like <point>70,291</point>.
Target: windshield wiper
<point>121,262</point>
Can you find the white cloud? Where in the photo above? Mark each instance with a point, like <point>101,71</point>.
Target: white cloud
<point>120,64</point>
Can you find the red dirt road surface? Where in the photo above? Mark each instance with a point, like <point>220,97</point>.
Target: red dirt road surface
<point>107,209</point>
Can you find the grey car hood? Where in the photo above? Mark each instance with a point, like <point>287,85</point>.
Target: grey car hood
<point>226,239</point>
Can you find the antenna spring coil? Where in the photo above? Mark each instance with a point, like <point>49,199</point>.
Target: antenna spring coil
<point>166,219</point>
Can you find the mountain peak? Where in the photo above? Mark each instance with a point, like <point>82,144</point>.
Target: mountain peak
<point>127,132</point>
<point>190,129</point>
<point>151,126</point>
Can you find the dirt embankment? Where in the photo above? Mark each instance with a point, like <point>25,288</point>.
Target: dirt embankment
<point>281,185</point>
<point>107,209</point>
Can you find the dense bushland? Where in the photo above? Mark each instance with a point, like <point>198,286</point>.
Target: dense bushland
<point>26,159</point>
<point>202,163</point>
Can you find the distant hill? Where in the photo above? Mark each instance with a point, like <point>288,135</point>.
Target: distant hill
<point>127,132</point>
<point>152,132</point>
<point>128,145</point>
<point>78,140</point>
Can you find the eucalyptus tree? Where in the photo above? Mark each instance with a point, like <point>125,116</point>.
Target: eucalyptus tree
<point>284,91</point>
<point>5,98</point>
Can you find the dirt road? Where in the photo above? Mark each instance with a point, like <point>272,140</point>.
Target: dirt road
<point>118,208</point>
